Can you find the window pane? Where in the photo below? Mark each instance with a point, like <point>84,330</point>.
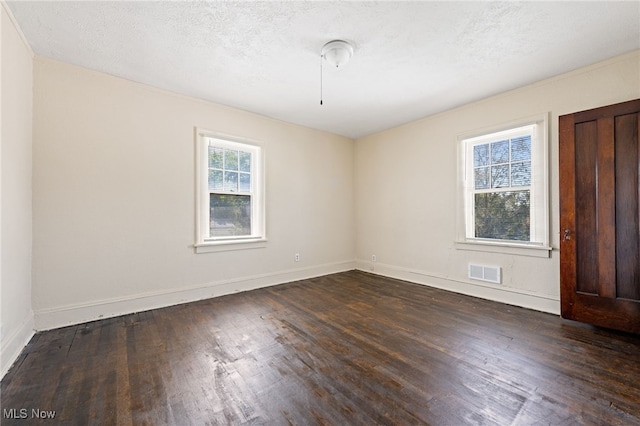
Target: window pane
<point>481,178</point>
<point>521,148</point>
<point>215,180</point>
<point>230,160</point>
<point>500,176</point>
<point>231,181</point>
<point>521,174</point>
<point>215,157</point>
<point>245,161</point>
<point>230,215</point>
<point>503,215</point>
<point>500,152</point>
<point>245,182</point>
<point>481,155</point>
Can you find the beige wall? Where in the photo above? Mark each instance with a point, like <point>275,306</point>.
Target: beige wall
<point>114,211</point>
<point>15,135</point>
<point>406,187</point>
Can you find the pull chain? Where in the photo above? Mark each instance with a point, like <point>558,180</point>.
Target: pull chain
<point>320,79</point>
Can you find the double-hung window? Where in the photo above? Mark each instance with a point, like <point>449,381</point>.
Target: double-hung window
<point>505,186</point>
<point>230,191</point>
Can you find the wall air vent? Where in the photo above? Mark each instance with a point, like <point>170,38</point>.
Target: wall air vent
<point>485,273</point>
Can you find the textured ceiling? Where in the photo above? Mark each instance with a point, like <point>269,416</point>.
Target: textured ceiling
<point>412,59</point>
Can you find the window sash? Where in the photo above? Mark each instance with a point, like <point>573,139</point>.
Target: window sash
<point>511,230</point>
<point>236,215</point>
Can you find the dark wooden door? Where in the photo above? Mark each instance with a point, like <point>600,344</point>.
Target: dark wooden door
<point>600,217</point>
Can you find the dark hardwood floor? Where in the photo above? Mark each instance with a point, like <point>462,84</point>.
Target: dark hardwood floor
<point>344,349</point>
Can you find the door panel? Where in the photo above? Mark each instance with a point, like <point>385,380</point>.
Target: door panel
<point>585,226</point>
<point>627,155</point>
<point>600,216</point>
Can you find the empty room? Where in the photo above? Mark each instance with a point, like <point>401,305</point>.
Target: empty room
<point>320,213</point>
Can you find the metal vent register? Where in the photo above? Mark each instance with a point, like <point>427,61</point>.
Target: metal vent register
<point>485,273</point>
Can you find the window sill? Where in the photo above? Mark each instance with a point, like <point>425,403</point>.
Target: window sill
<point>230,245</point>
<point>505,248</point>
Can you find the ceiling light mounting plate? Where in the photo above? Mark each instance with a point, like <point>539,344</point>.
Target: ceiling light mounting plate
<point>337,53</point>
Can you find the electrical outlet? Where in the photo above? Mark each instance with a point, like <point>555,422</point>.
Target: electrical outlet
<point>373,257</point>
<point>297,257</point>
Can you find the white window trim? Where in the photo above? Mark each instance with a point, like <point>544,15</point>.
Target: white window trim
<point>258,238</point>
<point>539,161</point>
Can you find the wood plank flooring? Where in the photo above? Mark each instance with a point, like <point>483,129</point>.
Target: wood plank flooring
<point>344,349</point>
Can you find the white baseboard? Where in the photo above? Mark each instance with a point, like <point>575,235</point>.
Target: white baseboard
<point>511,296</point>
<point>46,319</point>
<point>14,343</point>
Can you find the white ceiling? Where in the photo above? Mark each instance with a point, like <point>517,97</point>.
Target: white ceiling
<point>411,60</point>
